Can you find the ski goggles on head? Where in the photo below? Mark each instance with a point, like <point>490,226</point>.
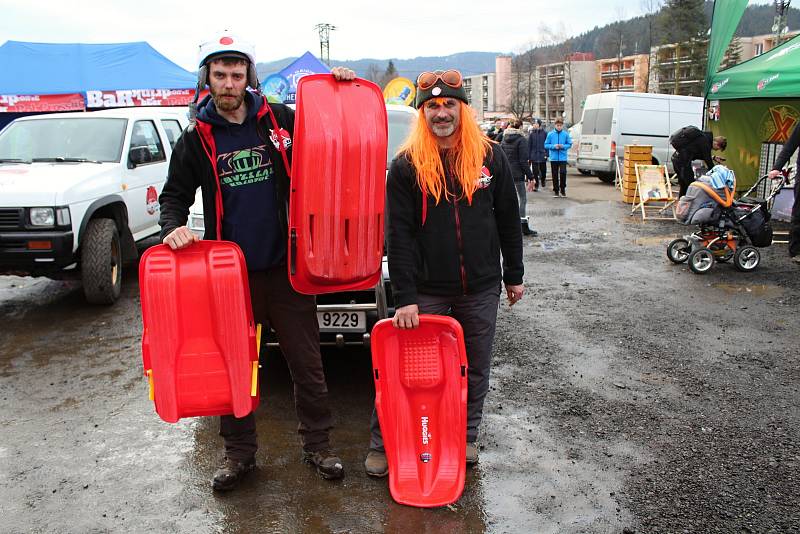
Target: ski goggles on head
<point>451,78</point>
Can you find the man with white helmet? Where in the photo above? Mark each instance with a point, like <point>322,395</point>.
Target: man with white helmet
<point>238,151</point>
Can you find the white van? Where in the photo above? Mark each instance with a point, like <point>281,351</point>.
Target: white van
<point>612,120</point>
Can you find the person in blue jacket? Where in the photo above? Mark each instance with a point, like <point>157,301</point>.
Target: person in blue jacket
<point>558,143</point>
<point>537,155</point>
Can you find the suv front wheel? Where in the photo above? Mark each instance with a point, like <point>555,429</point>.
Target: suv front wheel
<point>101,262</point>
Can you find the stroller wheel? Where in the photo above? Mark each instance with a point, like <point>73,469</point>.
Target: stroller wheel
<point>701,261</point>
<point>678,250</point>
<point>747,258</point>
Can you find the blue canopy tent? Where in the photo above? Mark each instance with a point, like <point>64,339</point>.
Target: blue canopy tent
<point>283,85</point>
<point>45,77</point>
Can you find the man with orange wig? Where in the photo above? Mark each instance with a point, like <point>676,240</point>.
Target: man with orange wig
<point>452,210</point>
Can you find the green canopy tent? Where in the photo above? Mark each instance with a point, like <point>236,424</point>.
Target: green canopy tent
<point>756,105</point>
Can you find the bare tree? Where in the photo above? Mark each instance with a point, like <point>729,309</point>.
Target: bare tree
<point>523,84</point>
<point>650,9</point>
<point>373,73</point>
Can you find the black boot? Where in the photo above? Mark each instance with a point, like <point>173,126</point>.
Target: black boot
<point>231,472</point>
<point>526,229</point>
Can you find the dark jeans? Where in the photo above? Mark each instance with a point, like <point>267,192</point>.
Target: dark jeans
<point>477,314</point>
<point>794,230</point>
<point>685,172</point>
<point>559,172</point>
<point>294,318</point>
<point>539,169</point>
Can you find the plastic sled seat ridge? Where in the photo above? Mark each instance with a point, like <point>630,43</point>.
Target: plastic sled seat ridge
<point>160,308</point>
<point>231,324</point>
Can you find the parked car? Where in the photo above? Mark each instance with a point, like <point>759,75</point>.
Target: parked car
<point>613,120</point>
<point>78,190</point>
<point>346,318</point>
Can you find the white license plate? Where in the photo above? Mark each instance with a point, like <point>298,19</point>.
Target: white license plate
<point>342,321</point>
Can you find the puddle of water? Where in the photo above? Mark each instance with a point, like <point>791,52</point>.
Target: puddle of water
<point>757,290</point>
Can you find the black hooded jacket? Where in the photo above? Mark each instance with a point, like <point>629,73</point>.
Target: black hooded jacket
<point>515,145</point>
<point>698,148</point>
<point>453,247</point>
<point>193,165</point>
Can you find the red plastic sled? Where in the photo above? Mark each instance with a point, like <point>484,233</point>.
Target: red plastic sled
<point>336,204</point>
<point>199,344</point>
<point>421,400</point>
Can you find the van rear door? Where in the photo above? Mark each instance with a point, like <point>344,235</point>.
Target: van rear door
<point>596,135</point>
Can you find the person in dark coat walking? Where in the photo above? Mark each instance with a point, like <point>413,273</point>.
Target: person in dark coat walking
<point>515,147</point>
<point>537,155</point>
<point>698,145</point>
<point>786,153</point>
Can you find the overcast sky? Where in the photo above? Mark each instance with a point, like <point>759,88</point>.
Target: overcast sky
<point>280,29</point>
<point>365,29</point>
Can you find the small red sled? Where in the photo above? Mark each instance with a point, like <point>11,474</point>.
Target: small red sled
<point>199,343</point>
<point>421,400</point>
<point>336,204</point>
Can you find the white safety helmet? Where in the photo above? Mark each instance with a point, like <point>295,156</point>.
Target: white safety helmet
<point>227,45</point>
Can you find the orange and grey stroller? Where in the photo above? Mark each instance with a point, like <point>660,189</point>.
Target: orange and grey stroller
<point>726,229</point>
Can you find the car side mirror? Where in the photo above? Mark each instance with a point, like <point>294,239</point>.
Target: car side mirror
<point>137,156</point>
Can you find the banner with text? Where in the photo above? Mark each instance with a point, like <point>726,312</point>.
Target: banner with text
<point>140,97</point>
<point>41,103</point>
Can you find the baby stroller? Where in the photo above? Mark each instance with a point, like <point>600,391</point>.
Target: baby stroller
<point>727,229</point>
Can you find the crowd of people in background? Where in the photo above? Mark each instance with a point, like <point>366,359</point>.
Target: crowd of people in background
<point>528,147</point>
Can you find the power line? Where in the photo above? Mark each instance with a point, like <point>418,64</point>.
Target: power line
<point>325,41</point>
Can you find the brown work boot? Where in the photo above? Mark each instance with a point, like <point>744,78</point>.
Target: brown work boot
<point>328,465</point>
<point>231,472</point>
<point>472,453</point>
<point>376,465</point>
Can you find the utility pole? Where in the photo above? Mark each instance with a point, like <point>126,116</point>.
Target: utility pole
<point>781,12</point>
<point>325,41</point>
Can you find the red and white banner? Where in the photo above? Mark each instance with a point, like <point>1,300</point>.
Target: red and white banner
<point>140,97</point>
<point>39,103</point>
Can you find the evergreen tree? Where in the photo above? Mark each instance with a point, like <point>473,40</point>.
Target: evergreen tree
<point>684,22</point>
<point>389,74</point>
<point>681,21</point>
<point>733,55</point>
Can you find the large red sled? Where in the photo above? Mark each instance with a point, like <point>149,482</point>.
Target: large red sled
<point>421,400</point>
<point>336,204</point>
<point>199,344</point>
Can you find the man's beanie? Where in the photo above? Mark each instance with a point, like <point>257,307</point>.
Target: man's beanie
<point>440,89</point>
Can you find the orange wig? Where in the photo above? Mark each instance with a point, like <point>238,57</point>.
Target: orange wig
<point>465,159</point>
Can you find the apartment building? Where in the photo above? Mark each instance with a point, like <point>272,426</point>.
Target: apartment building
<point>678,68</point>
<point>758,44</point>
<point>563,87</point>
<point>629,73</point>
<point>481,93</point>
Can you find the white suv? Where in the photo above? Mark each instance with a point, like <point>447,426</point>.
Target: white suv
<point>77,190</point>
<point>346,318</point>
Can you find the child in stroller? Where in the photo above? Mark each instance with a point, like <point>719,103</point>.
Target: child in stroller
<point>727,229</point>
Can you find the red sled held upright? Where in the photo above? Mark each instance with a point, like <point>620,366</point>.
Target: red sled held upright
<point>336,205</point>
<point>199,343</point>
<point>421,400</point>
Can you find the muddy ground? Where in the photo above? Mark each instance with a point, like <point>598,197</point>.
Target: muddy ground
<point>628,395</point>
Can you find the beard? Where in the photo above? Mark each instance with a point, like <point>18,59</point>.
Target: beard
<point>232,103</point>
<point>444,128</point>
